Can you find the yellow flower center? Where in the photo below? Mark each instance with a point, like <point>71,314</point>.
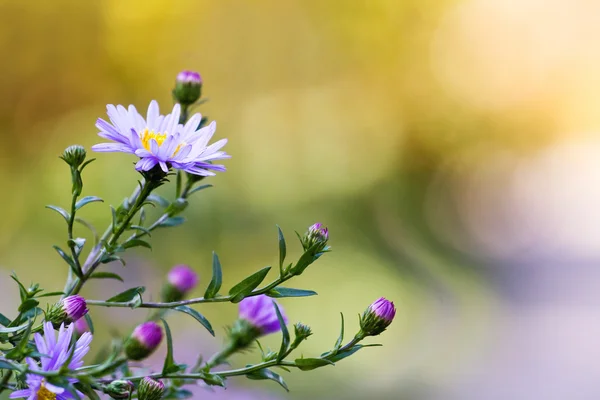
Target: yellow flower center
<point>146,136</point>
<point>45,394</point>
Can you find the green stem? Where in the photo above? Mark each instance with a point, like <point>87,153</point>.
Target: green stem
<point>5,380</point>
<point>220,357</point>
<point>145,191</point>
<point>198,300</point>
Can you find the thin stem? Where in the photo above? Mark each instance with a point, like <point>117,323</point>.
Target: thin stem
<point>198,300</point>
<point>5,380</point>
<point>70,232</point>
<point>145,191</point>
<point>220,357</point>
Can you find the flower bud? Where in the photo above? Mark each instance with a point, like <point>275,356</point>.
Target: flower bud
<point>143,341</point>
<point>302,331</point>
<point>377,317</point>
<point>69,309</point>
<point>74,155</point>
<point>188,87</point>
<point>119,389</point>
<point>149,389</point>
<point>257,317</point>
<point>180,281</point>
<point>317,234</point>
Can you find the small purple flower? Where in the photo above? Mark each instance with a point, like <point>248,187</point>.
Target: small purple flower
<point>75,307</point>
<point>57,349</point>
<point>316,238</point>
<point>259,311</point>
<point>319,231</point>
<point>161,140</point>
<point>377,317</point>
<point>143,341</point>
<point>149,389</point>
<point>189,77</point>
<point>183,278</point>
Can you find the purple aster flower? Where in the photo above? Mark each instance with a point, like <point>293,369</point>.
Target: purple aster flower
<point>180,281</point>
<point>377,317</point>
<point>57,350</point>
<point>161,140</point>
<point>143,341</point>
<point>259,311</point>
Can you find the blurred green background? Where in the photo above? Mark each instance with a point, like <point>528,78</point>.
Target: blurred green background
<point>450,146</point>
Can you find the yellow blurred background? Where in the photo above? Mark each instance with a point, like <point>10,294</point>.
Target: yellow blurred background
<point>451,147</point>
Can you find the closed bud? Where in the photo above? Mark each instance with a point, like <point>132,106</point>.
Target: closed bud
<point>149,389</point>
<point>74,155</point>
<point>119,389</point>
<point>144,339</point>
<point>188,87</point>
<point>69,309</point>
<point>301,332</point>
<point>314,243</point>
<point>180,281</point>
<point>317,234</point>
<point>377,317</point>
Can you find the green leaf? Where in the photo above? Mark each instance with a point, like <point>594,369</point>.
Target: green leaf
<point>13,329</point>
<point>20,350</point>
<point>245,287</point>
<point>110,258</point>
<point>114,218</point>
<point>338,343</point>
<point>4,321</point>
<point>87,390</point>
<point>87,200</point>
<point>173,221</point>
<point>267,374</point>
<point>28,305</point>
<point>289,292</point>
<point>169,366</point>
<point>50,294</point>
<point>90,323</point>
<point>348,353</point>
<point>141,228</point>
<point>61,211</point>
<point>282,249</point>
<point>67,259</point>
<point>198,188</point>
<point>285,335</point>
<point>128,295</point>
<point>197,316</point>
<point>159,200</point>
<point>217,277</point>
<point>7,365</point>
<point>307,364</point>
<point>106,275</point>
<point>137,242</point>
<point>22,291</point>
<point>213,380</point>
<point>85,164</point>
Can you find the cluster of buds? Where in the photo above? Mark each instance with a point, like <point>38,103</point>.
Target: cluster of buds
<point>69,309</point>
<point>188,87</point>
<point>257,317</point>
<point>314,243</point>
<point>180,281</point>
<point>142,342</point>
<point>150,389</point>
<point>377,317</point>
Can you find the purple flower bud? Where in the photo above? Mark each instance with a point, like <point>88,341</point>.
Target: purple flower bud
<point>260,312</point>
<point>377,317</point>
<point>187,87</point>
<point>189,77</point>
<point>69,309</point>
<point>316,237</point>
<point>149,389</point>
<point>143,341</point>
<point>81,326</point>
<point>75,307</point>
<point>181,280</point>
<point>319,231</point>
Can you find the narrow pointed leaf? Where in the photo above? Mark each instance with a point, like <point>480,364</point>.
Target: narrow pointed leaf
<point>217,277</point>
<point>141,228</point>
<point>285,334</point>
<point>198,188</point>
<point>290,292</point>
<point>136,243</point>
<point>338,343</point>
<point>90,227</point>
<point>106,275</point>
<point>245,287</point>
<point>87,200</point>
<point>282,249</point>
<point>4,321</point>
<point>128,295</point>
<point>173,221</point>
<point>307,364</point>
<point>197,316</point>
<point>61,211</point>
<point>90,323</point>
<point>169,364</point>
<point>267,374</point>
